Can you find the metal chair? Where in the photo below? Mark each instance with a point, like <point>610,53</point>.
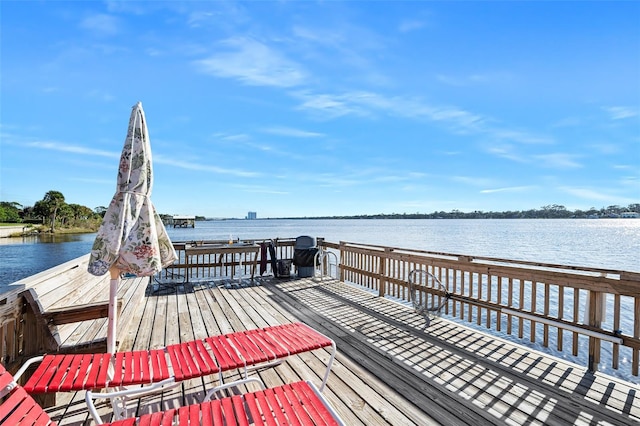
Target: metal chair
<point>427,294</point>
<point>322,263</point>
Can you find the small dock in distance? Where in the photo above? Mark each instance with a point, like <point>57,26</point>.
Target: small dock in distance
<point>182,221</point>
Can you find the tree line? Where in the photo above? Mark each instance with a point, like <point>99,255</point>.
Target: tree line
<point>52,211</point>
<point>553,211</point>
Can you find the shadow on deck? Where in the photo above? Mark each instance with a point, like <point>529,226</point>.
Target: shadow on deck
<point>389,369</point>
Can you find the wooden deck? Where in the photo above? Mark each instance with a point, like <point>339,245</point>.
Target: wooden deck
<point>389,369</point>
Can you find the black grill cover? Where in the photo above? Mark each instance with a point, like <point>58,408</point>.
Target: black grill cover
<point>304,257</point>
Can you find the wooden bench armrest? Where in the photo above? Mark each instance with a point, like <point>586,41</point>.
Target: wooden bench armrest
<point>78,313</point>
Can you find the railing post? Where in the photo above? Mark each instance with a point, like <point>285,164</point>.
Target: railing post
<point>595,312</point>
<point>383,268</point>
<point>341,263</point>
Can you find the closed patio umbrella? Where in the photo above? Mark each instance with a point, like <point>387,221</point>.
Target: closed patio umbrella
<point>131,238</point>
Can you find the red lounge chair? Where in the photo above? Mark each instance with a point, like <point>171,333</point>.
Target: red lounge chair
<point>294,403</point>
<point>159,368</point>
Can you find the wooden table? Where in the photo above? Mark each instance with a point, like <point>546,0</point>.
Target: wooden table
<point>224,250</point>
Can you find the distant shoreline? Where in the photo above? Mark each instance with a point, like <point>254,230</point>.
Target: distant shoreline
<point>10,230</point>
<point>365,217</point>
<point>20,230</point>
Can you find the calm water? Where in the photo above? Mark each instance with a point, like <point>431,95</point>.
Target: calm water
<point>23,257</point>
<point>606,243</point>
<point>603,243</point>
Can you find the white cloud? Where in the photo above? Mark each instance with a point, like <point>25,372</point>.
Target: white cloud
<point>201,18</point>
<point>619,112</point>
<point>557,160</point>
<point>473,180</point>
<point>129,7</point>
<point>157,158</point>
<point>507,189</point>
<point>55,146</point>
<point>331,106</point>
<point>253,63</point>
<point>362,103</point>
<point>101,24</point>
<point>588,194</point>
<point>101,95</point>
<point>459,118</point>
<point>520,137</point>
<point>288,131</point>
<point>506,151</point>
<point>451,81</point>
<point>606,148</point>
<point>239,137</point>
<point>410,25</point>
<point>475,79</point>
<point>568,122</point>
<point>330,37</point>
<point>189,165</point>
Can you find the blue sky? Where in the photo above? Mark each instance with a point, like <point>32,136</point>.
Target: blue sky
<point>301,108</point>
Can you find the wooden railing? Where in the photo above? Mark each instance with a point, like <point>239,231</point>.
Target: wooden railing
<point>570,309</point>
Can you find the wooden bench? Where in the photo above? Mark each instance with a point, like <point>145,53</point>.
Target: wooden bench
<point>62,310</point>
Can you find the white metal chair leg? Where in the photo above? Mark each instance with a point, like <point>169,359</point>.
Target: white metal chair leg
<point>224,386</point>
<point>329,365</point>
<point>119,398</point>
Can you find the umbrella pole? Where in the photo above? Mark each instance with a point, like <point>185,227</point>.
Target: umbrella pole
<point>113,310</point>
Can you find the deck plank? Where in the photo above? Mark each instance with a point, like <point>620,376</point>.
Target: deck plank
<point>311,366</point>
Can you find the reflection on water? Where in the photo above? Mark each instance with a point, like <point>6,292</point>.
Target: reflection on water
<point>45,238</point>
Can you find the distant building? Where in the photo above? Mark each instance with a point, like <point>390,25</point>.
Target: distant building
<point>252,215</point>
<point>628,215</point>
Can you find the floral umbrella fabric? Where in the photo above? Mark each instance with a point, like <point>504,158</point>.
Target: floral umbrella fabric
<point>132,237</point>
